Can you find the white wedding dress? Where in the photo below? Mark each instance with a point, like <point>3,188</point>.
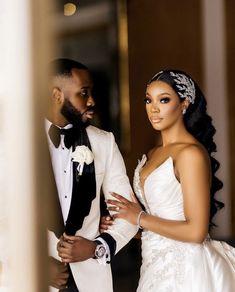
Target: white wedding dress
<point>174,266</point>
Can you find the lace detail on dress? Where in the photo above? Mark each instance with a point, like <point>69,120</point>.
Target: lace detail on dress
<point>165,258</point>
<point>136,182</point>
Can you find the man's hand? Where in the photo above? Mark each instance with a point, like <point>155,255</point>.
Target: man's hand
<point>75,248</point>
<point>105,223</point>
<point>58,274</point>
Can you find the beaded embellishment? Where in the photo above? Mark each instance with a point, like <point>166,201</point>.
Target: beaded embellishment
<point>185,86</point>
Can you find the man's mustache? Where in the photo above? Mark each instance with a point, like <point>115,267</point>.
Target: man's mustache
<point>90,108</point>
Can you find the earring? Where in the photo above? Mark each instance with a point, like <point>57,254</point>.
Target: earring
<point>184,111</point>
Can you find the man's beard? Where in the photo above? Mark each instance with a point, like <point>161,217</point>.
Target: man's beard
<point>72,115</point>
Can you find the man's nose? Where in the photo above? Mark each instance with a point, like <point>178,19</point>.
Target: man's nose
<point>90,101</point>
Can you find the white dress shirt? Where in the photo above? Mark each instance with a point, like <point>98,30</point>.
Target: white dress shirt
<point>63,170</point>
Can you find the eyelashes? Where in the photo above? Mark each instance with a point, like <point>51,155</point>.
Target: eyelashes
<point>147,100</point>
<point>163,100</point>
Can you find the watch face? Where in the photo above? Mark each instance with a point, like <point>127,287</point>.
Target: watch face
<point>100,251</point>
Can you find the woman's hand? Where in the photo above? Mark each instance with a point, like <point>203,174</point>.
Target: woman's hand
<point>124,208</point>
<point>105,223</point>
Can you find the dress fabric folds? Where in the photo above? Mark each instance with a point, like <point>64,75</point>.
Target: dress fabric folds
<point>174,266</point>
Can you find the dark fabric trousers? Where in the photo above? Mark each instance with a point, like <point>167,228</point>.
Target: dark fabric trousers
<point>72,287</point>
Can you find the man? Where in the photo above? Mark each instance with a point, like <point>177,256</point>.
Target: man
<point>84,159</point>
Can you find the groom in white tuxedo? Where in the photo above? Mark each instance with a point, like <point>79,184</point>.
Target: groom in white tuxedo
<point>84,160</point>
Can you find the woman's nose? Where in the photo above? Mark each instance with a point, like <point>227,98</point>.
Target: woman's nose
<point>155,108</point>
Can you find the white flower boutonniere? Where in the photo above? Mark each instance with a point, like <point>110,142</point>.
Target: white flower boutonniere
<point>82,154</point>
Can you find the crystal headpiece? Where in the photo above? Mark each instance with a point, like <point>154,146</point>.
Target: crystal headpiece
<point>185,86</point>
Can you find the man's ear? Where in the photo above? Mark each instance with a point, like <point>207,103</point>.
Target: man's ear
<point>57,95</point>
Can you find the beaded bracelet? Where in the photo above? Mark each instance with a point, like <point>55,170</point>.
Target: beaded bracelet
<point>138,219</point>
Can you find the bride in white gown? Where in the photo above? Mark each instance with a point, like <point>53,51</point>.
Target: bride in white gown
<point>176,184</point>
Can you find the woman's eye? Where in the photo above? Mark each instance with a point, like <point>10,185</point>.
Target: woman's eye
<point>147,100</point>
<point>164,100</point>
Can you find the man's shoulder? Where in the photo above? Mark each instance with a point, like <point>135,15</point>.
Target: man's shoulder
<point>97,131</point>
<point>99,139</point>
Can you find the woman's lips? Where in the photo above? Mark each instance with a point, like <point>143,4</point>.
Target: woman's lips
<point>155,120</point>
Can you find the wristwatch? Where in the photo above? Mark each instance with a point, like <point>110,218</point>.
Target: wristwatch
<point>100,250</point>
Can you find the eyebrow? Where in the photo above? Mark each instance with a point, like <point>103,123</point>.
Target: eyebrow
<point>86,87</point>
<point>164,93</point>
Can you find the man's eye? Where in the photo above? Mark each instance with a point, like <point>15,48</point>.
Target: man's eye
<point>147,100</point>
<point>164,100</point>
<point>84,94</point>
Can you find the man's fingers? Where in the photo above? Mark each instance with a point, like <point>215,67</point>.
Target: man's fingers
<point>63,245</point>
<point>104,227</point>
<point>106,220</point>
<point>108,223</point>
<point>64,255</point>
<point>69,238</point>
<point>64,276</point>
<point>105,223</point>
<point>62,283</point>
<point>64,269</point>
<point>67,260</point>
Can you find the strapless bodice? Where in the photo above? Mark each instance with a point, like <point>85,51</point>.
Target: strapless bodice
<point>161,193</point>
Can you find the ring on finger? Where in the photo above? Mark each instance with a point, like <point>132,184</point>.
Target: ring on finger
<point>117,208</point>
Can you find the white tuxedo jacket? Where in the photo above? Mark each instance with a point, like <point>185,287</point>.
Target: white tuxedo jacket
<point>111,176</point>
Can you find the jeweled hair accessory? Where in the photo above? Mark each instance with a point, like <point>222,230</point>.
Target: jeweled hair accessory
<point>156,76</point>
<point>185,86</point>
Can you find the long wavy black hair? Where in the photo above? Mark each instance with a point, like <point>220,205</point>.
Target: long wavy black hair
<point>199,124</point>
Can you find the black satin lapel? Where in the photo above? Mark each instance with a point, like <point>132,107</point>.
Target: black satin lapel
<point>84,191</point>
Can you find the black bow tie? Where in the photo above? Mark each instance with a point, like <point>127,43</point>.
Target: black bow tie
<point>69,136</point>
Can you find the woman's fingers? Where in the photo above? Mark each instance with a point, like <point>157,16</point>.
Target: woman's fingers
<point>115,209</point>
<point>118,203</point>
<point>134,198</point>
<point>120,198</point>
<point>114,202</point>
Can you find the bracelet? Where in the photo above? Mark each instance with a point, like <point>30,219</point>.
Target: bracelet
<point>138,219</point>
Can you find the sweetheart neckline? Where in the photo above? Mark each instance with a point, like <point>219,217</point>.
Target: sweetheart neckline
<point>155,169</point>
<point>142,187</point>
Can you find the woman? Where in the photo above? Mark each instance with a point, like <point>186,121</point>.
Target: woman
<point>176,184</point>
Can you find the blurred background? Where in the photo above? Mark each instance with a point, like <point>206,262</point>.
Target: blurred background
<point>124,43</point>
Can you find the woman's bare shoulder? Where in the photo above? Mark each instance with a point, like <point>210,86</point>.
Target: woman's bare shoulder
<point>192,153</point>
